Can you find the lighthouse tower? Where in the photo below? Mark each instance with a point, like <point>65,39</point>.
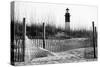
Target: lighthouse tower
<point>67,20</point>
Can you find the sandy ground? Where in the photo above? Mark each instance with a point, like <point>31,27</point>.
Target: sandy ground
<point>71,50</point>
<point>74,55</point>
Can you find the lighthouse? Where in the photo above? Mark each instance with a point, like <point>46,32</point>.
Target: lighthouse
<point>67,21</point>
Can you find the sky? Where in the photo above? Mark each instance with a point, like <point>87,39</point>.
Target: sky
<point>81,16</point>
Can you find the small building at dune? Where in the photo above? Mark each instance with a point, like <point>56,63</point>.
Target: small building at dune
<point>62,35</point>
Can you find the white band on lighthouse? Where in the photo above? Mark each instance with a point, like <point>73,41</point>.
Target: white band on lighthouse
<point>67,26</point>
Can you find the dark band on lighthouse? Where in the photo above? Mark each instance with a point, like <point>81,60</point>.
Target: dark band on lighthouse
<point>67,15</point>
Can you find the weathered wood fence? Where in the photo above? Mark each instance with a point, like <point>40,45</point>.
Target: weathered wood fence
<point>17,45</point>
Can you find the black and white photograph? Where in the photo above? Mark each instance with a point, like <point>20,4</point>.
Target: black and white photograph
<point>48,33</point>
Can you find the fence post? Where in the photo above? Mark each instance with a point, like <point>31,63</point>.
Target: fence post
<point>12,44</point>
<point>23,48</point>
<point>44,35</point>
<point>94,39</point>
